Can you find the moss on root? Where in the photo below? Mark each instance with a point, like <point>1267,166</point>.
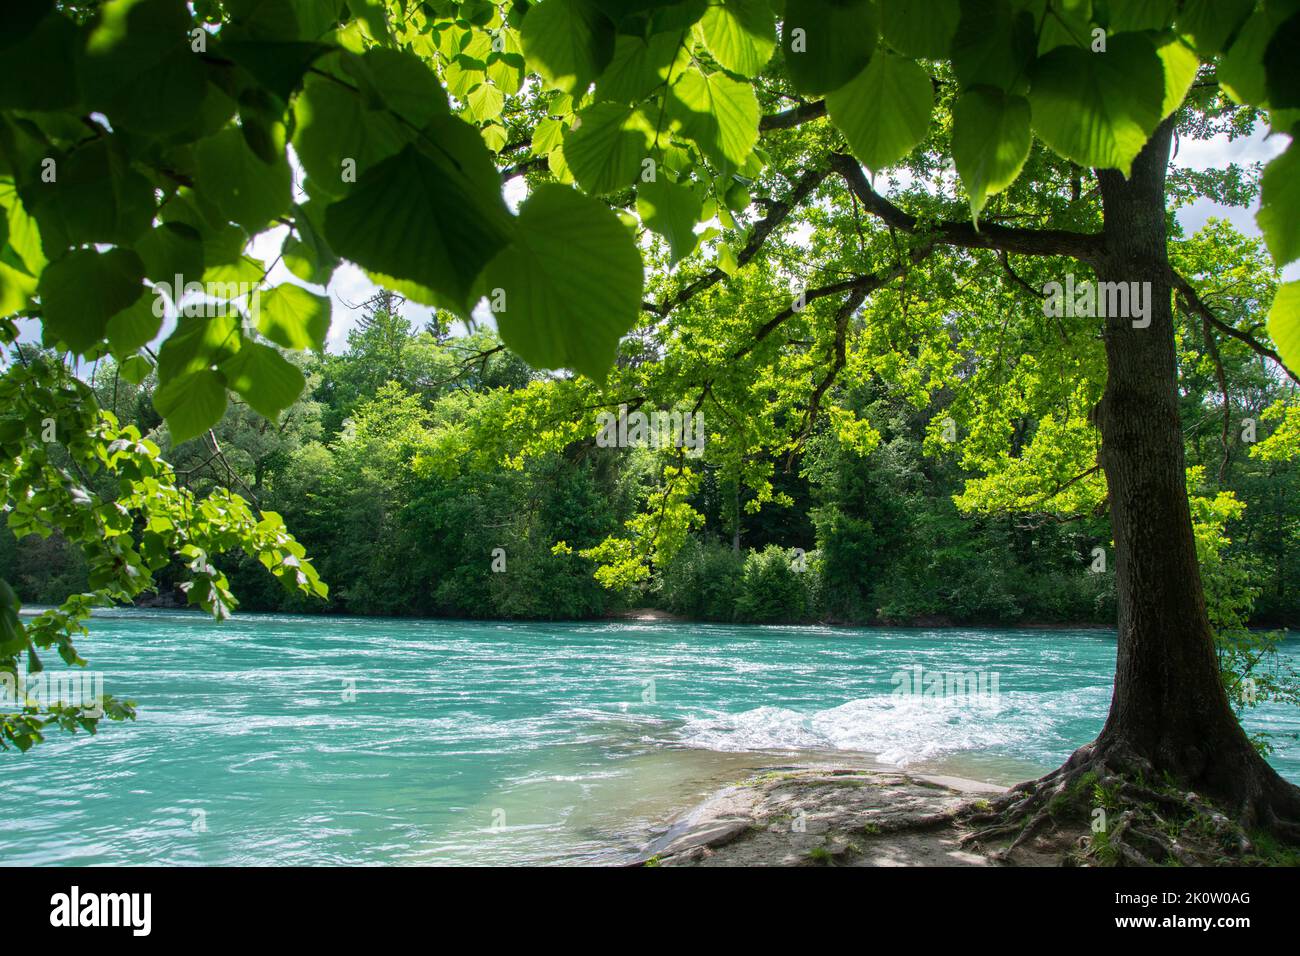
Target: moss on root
<point>1106,812</point>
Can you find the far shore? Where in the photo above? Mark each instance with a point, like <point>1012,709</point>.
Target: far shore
<point>650,615</point>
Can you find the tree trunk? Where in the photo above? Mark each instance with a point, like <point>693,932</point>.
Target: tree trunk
<point>1169,705</point>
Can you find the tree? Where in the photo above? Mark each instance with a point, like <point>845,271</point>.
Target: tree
<point>405,117</point>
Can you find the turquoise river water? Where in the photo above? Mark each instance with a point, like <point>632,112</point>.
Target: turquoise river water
<point>293,740</point>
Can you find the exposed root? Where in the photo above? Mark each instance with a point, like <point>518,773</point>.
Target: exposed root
<point>1106,809</point>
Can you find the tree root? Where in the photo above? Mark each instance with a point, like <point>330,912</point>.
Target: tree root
<point>1102,808</point>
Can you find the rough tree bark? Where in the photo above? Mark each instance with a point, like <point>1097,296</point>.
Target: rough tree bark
<point>1169,706</point>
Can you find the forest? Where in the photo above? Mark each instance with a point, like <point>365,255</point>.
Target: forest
<point>368,467</point>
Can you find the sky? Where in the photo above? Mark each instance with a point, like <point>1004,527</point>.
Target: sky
<point>1218,153</point>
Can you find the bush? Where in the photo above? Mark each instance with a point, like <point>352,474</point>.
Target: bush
<point>771,590</point>
<point>702,581</point>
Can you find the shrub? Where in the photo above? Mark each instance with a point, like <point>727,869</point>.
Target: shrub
<point>772,590</point>
<point>702,581</point>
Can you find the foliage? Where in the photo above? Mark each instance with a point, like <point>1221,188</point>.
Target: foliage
<point>702,581</point>
<point>773,588</point>
<point>1252,670</point>
<point>127,533</point>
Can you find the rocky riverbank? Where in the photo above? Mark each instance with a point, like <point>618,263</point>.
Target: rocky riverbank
<point>815,816</point>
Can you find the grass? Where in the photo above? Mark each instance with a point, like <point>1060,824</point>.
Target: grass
<point>819,854</point>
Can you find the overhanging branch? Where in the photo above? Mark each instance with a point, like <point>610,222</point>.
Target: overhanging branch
<point>1085,247</point>
<point>1193,303</point>
<point>866,284</point>
<point>793,117</point>
<point>777,212</point>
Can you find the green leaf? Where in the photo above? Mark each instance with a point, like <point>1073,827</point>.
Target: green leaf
<point>1241,69</point>
<point>640,65</point>
<point>199,342</point>
<point>606,148</point>
<point>1212,24</point>
<point>40,65</point>
<point>727,261</point>
<point>136,368</point>
<point>171,249</point>
<point>827,42</point>
<point>547,134</point>
<point>278,65</point>
<point>672,211</point>
<point>1279,206</point>
<point>1282,65</point>
<point>264,378</point>
<point>245,189</point>
<point>83,290</point>
<point>922,28</point>
<point>308,255</point>
<point>415,216</point>
<point>134,327</point>
<point>294,318</point>
<point>337,133</point>
<point>1128,15</point>
<point>191,404</point>
<point>224,259</point>
<point>1099,109</point>
<point>1284,324</point>
<point>1068,23</point>
<point>994,45</point>
<point>485,102</point>
<point>719,113</point>
<point>495,136</point>
<point>568,42</point>
<point>16,288</point>
<point>262,19</point>
<point>740,35</point>
<point>399,83</point>
<point>1181,64</point>
<point>24,234</point>
<point>506,67</point>
<point>139,68</point>
<point>991,139</point>
<point>462,74</point>
<point>571,282</point>
<point>13,638</point>
<point>885,110</point>
<point>96,197</point>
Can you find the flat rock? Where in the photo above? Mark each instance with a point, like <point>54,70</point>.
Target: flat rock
<point>804,817</point>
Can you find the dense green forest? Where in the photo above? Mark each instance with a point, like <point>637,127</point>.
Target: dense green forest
<point>368,469</point>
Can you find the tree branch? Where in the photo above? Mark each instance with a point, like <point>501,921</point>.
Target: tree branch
<point>842,316</point>
<point>1085,247</point>
<point>1193,303</point>
<point>866,284</point>
<point>777,212</point>
<point>793,117</point>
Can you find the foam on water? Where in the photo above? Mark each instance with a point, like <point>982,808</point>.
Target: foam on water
<point>904,730</point>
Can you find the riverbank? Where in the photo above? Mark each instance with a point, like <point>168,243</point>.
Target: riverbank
<point>815,816</point>
<point>822,816</point>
